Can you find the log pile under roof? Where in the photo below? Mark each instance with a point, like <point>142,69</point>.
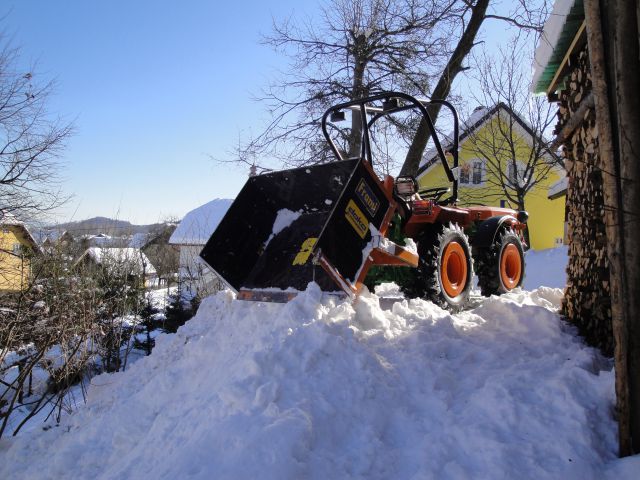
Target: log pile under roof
<point>587,298</point>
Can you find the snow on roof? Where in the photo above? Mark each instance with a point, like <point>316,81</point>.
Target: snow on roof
<point>43,235</point>
<point>477,118</point>
<point>316,389</point>
<point>470,123</point>
<point>10,220</point>
<point>558,188</point>
<point>138,240</point>
<point>557,33</point>
<point>133,257</point>
<point>197,226</point>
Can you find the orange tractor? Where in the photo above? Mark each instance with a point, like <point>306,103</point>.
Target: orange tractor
<point>329,223</point>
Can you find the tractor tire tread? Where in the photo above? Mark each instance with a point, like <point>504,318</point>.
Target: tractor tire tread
<point>487,263</point>
<point>431,245</point>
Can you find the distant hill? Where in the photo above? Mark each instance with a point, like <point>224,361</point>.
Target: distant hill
<point>108,226</point>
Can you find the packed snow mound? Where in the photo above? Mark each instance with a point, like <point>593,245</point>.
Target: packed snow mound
<point>320,389</point>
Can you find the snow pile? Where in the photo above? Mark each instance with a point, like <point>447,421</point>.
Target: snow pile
<point>318,388</point>
<point>197,226</point>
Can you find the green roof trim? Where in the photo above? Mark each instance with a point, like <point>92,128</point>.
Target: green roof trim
<point>571,26</point>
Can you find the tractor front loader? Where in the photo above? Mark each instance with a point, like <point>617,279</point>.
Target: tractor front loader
<point>329,223</point>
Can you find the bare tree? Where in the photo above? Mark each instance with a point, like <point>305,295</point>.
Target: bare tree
<point>31,139</point>
<point>49,329</point>
<point>614,52</point>
<point>527,16</point>
<point>354,48</point>
<point>119,277</point>
<point>358,47</point>
<point>512,167</point>
<point>164,256</point>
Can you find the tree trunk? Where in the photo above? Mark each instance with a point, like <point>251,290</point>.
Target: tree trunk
<point>626,59</point>
<point>614,47</point>
<point>443,87</point>
<point>357,91</point>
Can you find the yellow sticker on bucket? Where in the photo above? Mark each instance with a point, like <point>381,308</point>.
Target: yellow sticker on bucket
<point>305,251</point>
<point>356,218</point>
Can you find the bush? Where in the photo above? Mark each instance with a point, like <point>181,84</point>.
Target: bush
<point>176,314</point>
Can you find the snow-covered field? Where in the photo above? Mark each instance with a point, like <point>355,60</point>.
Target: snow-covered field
<point>321,389</point>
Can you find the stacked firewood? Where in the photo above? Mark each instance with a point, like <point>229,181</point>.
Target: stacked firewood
<point>587,297</point>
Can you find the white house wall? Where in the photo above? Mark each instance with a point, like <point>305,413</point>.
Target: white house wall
<point>195,276</point>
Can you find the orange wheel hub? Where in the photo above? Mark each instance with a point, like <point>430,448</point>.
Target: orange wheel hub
<point>453,269</point>
<point>510,266</point>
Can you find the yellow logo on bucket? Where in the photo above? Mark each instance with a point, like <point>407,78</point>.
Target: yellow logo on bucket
<point>365,194</point>
<point>356,218</point>
<point>305,251</point>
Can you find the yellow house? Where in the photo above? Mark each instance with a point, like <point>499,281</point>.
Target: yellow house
<point>503,163</point>
<point>16,248</point>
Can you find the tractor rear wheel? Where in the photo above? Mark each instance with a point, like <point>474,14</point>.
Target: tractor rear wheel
<point>446,268</point>
<point>500,268</point>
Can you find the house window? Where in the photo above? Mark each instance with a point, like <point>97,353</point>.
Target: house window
<point>464,174</point>
<point>17,249</point>
<point>477,172</point>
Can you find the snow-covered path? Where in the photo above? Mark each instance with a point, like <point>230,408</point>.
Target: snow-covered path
<point>319,389</point>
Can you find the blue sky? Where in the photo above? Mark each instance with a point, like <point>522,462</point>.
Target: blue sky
<point>154,88</point>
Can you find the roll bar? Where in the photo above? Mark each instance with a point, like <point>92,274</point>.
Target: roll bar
<point>392,104</point>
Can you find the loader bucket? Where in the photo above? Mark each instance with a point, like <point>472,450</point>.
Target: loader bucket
<point>280,222</point>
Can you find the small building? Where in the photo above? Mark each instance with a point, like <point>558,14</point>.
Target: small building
<point>131,263</point>
<point>490,175</point>
<point>193,232</point>
<point>101,240</point>
<point>17,247</point>
<point>52,238</point>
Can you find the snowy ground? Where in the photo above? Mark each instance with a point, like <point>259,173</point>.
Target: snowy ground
<point>546,268</point>
<point>320,389</point>
<point>76,395</point>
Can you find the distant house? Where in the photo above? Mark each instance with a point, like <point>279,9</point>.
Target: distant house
<point>482,182</point>
<point>100,240</point>
<point>17,246</point>
<point>126,262</point>
<point>54,239</point>
<point>190,236</point>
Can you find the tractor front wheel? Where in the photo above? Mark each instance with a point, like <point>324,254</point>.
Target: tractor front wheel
<point>500,268</point>
<point>446,268</point>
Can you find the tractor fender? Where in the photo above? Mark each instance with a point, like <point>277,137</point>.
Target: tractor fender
<point>488,230</point>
